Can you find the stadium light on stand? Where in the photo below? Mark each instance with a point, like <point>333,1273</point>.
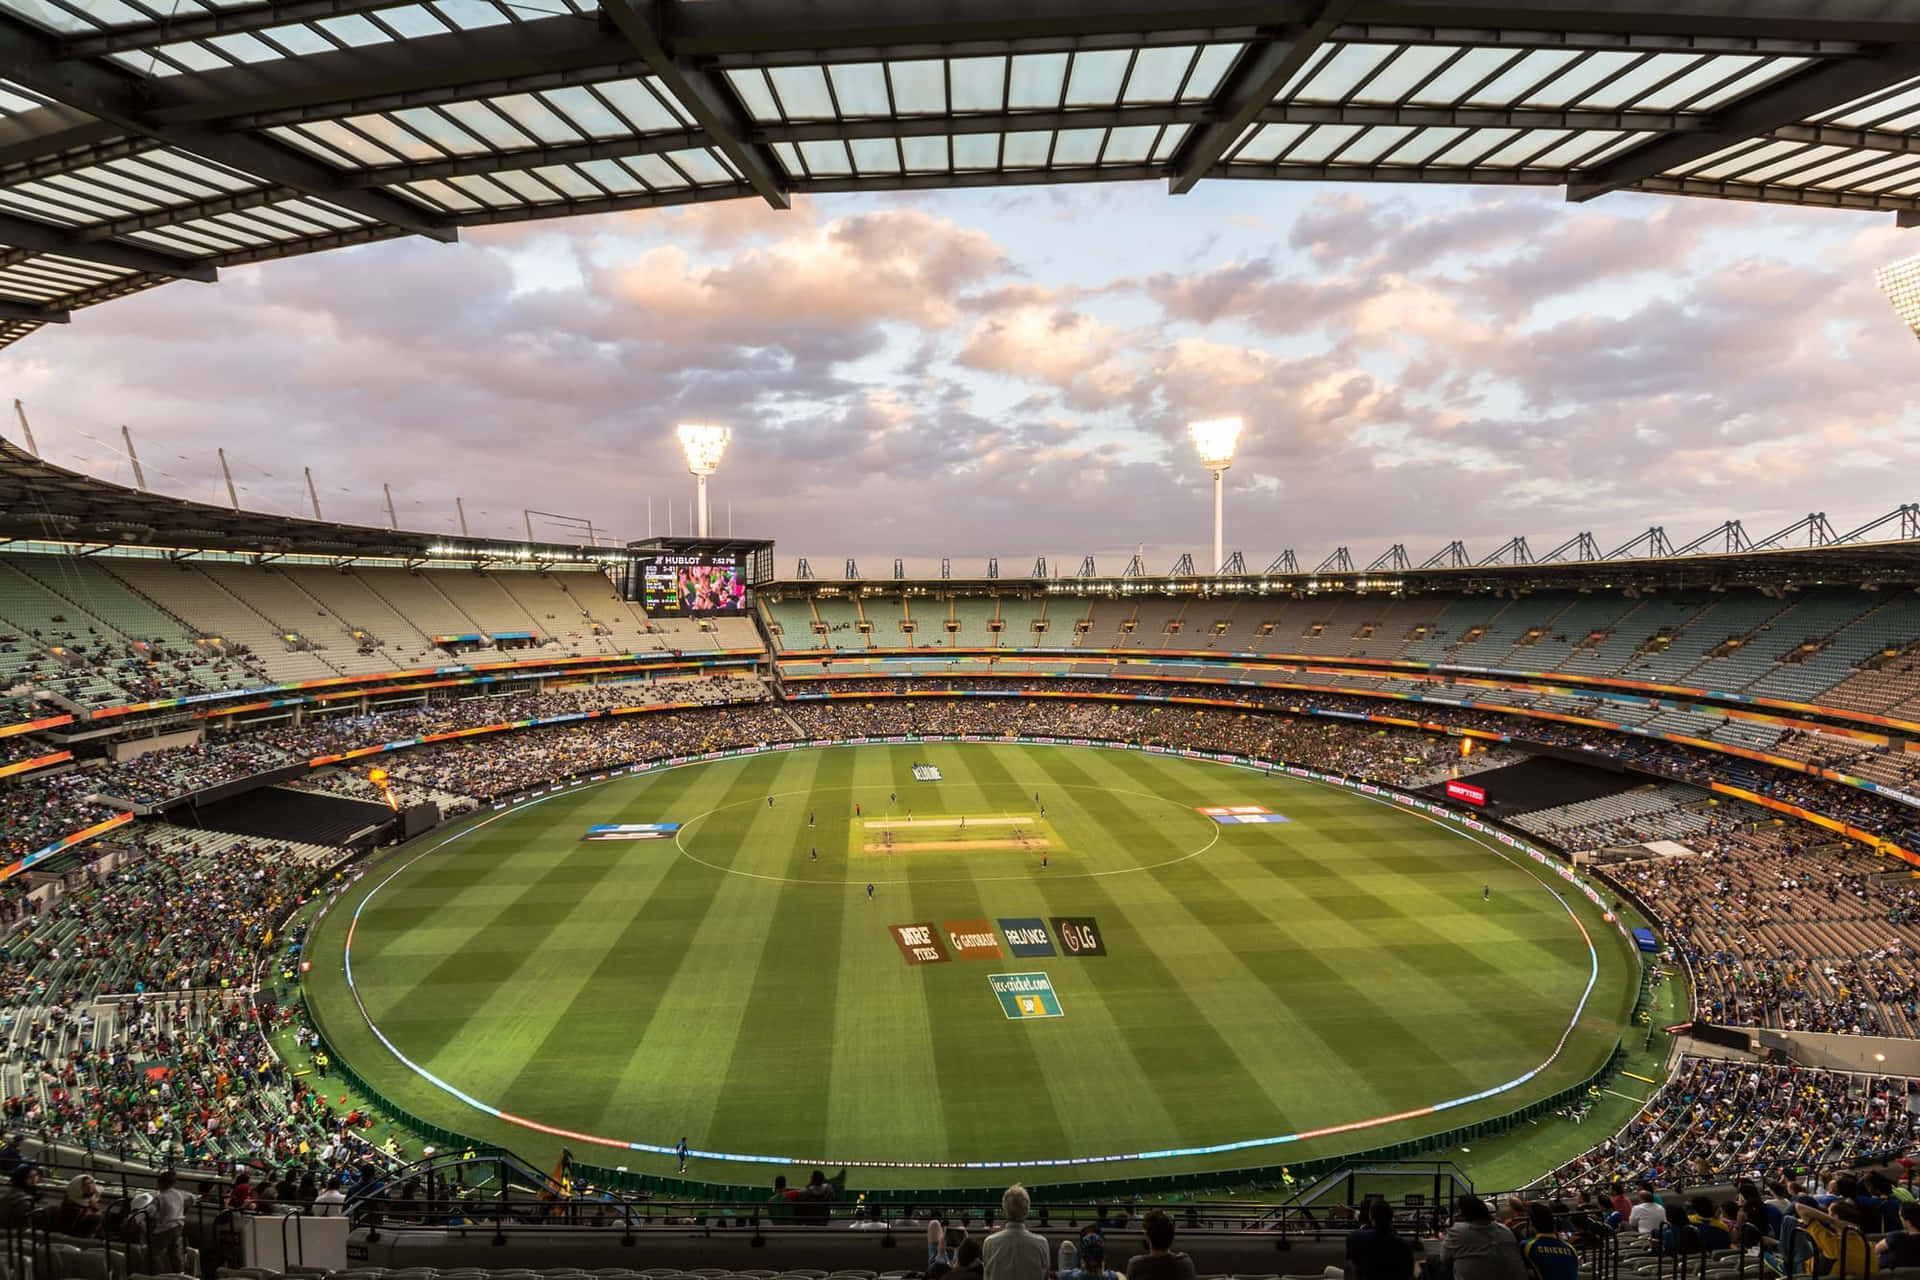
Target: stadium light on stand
<point>1215,439</point>
<point>703,444</point>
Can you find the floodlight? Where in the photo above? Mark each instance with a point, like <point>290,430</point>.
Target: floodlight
<point>1900,281</point>
<point>703,443</point>
<point>1215,439</point>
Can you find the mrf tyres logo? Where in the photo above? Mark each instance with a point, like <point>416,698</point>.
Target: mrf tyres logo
<point>919,943</point>
<point>1079,936</point>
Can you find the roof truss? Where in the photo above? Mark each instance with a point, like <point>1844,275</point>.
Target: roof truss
<point>165,149</point>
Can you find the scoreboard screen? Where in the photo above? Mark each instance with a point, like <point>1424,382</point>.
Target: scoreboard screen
<point>690,584</point>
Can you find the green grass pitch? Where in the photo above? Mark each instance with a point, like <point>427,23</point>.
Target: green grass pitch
<point>738,986</point>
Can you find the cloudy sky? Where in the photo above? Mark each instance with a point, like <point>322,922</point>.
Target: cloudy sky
<point>1009,372</point>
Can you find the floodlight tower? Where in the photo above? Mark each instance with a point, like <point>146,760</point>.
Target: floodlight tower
<point>1215,440</point>
<point>702,443</point>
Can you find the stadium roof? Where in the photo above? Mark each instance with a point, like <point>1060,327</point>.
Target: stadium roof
<point>40,502</point>
<point>146,141</point>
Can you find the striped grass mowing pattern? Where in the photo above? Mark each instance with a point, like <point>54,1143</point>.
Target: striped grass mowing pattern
<point>738,985</point>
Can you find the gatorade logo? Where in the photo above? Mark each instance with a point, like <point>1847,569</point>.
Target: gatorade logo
<point>972,939</point>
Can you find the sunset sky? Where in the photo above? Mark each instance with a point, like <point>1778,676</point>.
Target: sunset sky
<point>1009,372</point>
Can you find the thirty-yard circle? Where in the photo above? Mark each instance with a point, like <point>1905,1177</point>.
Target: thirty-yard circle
<point>1023,955</point>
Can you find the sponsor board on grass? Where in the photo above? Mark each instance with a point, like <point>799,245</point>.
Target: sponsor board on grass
<point>1027,936</point>
<point>1229,814</point>
<point>1025,995</point>
<point>972,939</point>
<point>631,830</point>
<point>919,943</point>
<point>1079,936</point>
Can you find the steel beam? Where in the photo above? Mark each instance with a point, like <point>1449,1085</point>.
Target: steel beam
<point>32,59</point>
<point>67,242</point>
<point>1799,97</point>
<point>1811,197</point>
<point>33,312</point>
<point>201,24</point>
<point>491,61</point>
<point>44,131</point>
<point>706,98</point>
<point>1262,71</point>
<point>705,28</point>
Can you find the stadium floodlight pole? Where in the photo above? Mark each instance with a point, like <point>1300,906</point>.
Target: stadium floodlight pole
<point>1215,440</point>
<point>702,443</point>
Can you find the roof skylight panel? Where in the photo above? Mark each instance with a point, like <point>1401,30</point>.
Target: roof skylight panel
<point>756,95</point>
<point>611,175</point>
<point>487,123</point>
<point>1036,80</point>
<point>875,155</point>
<point>1267,142</point>
<point>1129,145</point>
<point>1426,143</point>
<point>1374,143</point>
<point>1574,149</point>
<point>354,30</point>
<point>1209,69</point>
<point>1338,75</point>
<point>925,155</point>
<point>1766,71</point>
<point>1698,81</point>
<point>789,157</point>
<point>443,196</point>
<point>1464,76</point>
<point>1872,111</point>
<point>1648,77</point>
<point>1159,72</point>
<point>385,131</point>
<point>1026,149</point>
<point>356,147</point>
<point>63,208</point>
<point>569,181</point>
<point>646,103</point>
<point>1579,78</point>
<point>861,87</point>
<point>1852,169</point>
<point>1097,77</point>
<point>919,86</point>
<point>1738,158</point>
<point>978,84</point>
<point>976,151</point>
<point>700,166</point>
<point>1170,139</point>
<point>1322,141</point>
<point>657,172</point>
<point>1405,70</point>
<point>802,92</point>
<point>470,15</point>
<point>1527,77</point>
<point>826,158</point>
<point>1789,165</point>
<point>1519,151</point>
<point>527,187</point>
<point>532,115</point>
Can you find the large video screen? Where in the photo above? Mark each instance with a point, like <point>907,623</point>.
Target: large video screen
<point>693,583</point>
